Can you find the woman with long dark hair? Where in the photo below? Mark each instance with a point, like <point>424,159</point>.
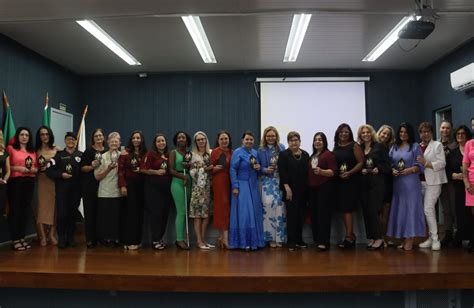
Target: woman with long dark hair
<point>45,224</point>
<point>180,184</point>
<point>131,186</point>
<point>158,199</point>
<point>220,159</point>
<point>350,160</point>
<point>407,219</point>
<point>321,171</point>
<point>24,167</point>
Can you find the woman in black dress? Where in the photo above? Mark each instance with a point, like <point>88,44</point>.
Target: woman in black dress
<point>4,174</point>
<point>350,160</point>
<point>91,160</point>
<point>293,165</point>
<point>376,168</point>
<point>454,173</point>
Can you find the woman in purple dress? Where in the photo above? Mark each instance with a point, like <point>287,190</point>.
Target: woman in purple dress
<point>407,218</point>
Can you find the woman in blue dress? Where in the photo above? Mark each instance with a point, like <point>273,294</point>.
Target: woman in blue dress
<point>407,218</point>
<point>274,213</point>
<point>246,213</point>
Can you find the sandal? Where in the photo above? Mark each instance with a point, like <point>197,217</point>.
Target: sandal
<point>18,246</point>
<point>348,243</point>
<point>160,245</point>
<point>25,244</point>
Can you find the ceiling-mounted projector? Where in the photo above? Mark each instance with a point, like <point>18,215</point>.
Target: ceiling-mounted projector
<point>416,30</point>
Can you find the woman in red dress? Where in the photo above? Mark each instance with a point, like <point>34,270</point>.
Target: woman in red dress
<point>220,159</point>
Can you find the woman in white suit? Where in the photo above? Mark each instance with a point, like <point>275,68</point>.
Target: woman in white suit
<point>435,175</point>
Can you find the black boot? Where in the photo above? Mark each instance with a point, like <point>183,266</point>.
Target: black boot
<point>448,239</point>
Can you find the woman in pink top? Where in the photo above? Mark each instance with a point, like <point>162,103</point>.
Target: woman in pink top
<point>24,167</point>
<point>468,178</point>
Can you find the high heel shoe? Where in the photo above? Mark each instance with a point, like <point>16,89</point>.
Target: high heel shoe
<point>182,245</point>
<point>349,242</point>
<point>18,246</point>
<point>25,243</point>
<point>381,246</point>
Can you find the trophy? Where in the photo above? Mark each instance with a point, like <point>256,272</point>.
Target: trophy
<point>187,159</point>
<point>222,160</point>
<point>369,164</point>
<point>343,168</point>
<point>401,165</point>
<point>252,161</point>
<point>28,162</point>
<point>314,162</point>
<point>114,156</point>
<point>134,164</point>
<point>42,162</point>
<point>164,165</point>
<point>207,159</point>
<point>274,159</point>
<point>98,156</point>
<point>68,168</point>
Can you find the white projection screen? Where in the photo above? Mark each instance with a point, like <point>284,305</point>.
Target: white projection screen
<point>310,107</point>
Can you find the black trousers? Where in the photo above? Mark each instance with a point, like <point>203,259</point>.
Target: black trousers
<point>90,202</point>
<point>158,201</point>
<point>20,193</point>
<point>68,198</point>
<point>108,218</point>
<point>464,219</point>
<point>295,211</point>
<point>133,213</point>
<point>373,189</point>
<point>321,201</point>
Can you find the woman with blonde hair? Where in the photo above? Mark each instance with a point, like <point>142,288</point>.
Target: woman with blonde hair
<point>200,203</point>
<point>274,213</point>
<point>376,167</point>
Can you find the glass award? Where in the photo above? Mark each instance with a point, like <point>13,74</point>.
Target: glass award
<point>28,162</point>
<point>274,159</point>
<point>207,159</point>
<point>164,165</point>
<point>114,156</point>
<point>187,159</point>
<point>134,163</point>
<point>401,165</point>
<point>222,160</point>
<point>252,161</point>
<point>343,168</point>
<point>98,156</point>
<point>369,164</point>
<point>314,162</point>
<point>68,168</point>
<point>42,161</point>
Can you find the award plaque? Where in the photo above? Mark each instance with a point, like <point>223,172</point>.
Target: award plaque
<point>314,162</point>
<point>114,156</point>
<point>164,165</point>
<point>28,162</point>
<point>252,161</point>
<point>369,164</point>
<point>42,161</point>
<point>401,165</point>
<point>68,168</point>
<point>274,159</point>
<point>98,156</point>
<point>207,159</point>
<point>343,168</point>
<point>134,163</point>
<point>222,160</point>
<point>187,159</point>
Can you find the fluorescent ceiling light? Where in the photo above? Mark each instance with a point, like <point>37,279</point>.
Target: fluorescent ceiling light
<point>108,41</point>
<point>194,26</point>
<point>388,40</point>
<point>297,32</point>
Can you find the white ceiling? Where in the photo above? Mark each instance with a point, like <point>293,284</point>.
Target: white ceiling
<point>244,34</point>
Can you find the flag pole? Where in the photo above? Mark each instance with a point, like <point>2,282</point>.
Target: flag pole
<point>80,125</point>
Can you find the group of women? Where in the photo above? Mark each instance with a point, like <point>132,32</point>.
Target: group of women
<point>256,197</point>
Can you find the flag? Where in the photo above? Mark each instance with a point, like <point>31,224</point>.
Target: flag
<point>81,146</point>
<point>46,114</point>
<point>8,125</point>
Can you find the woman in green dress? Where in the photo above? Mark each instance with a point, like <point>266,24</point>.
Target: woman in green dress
<point>180,181</point>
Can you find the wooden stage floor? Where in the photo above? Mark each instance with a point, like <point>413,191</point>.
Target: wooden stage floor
<point>267,270</point>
